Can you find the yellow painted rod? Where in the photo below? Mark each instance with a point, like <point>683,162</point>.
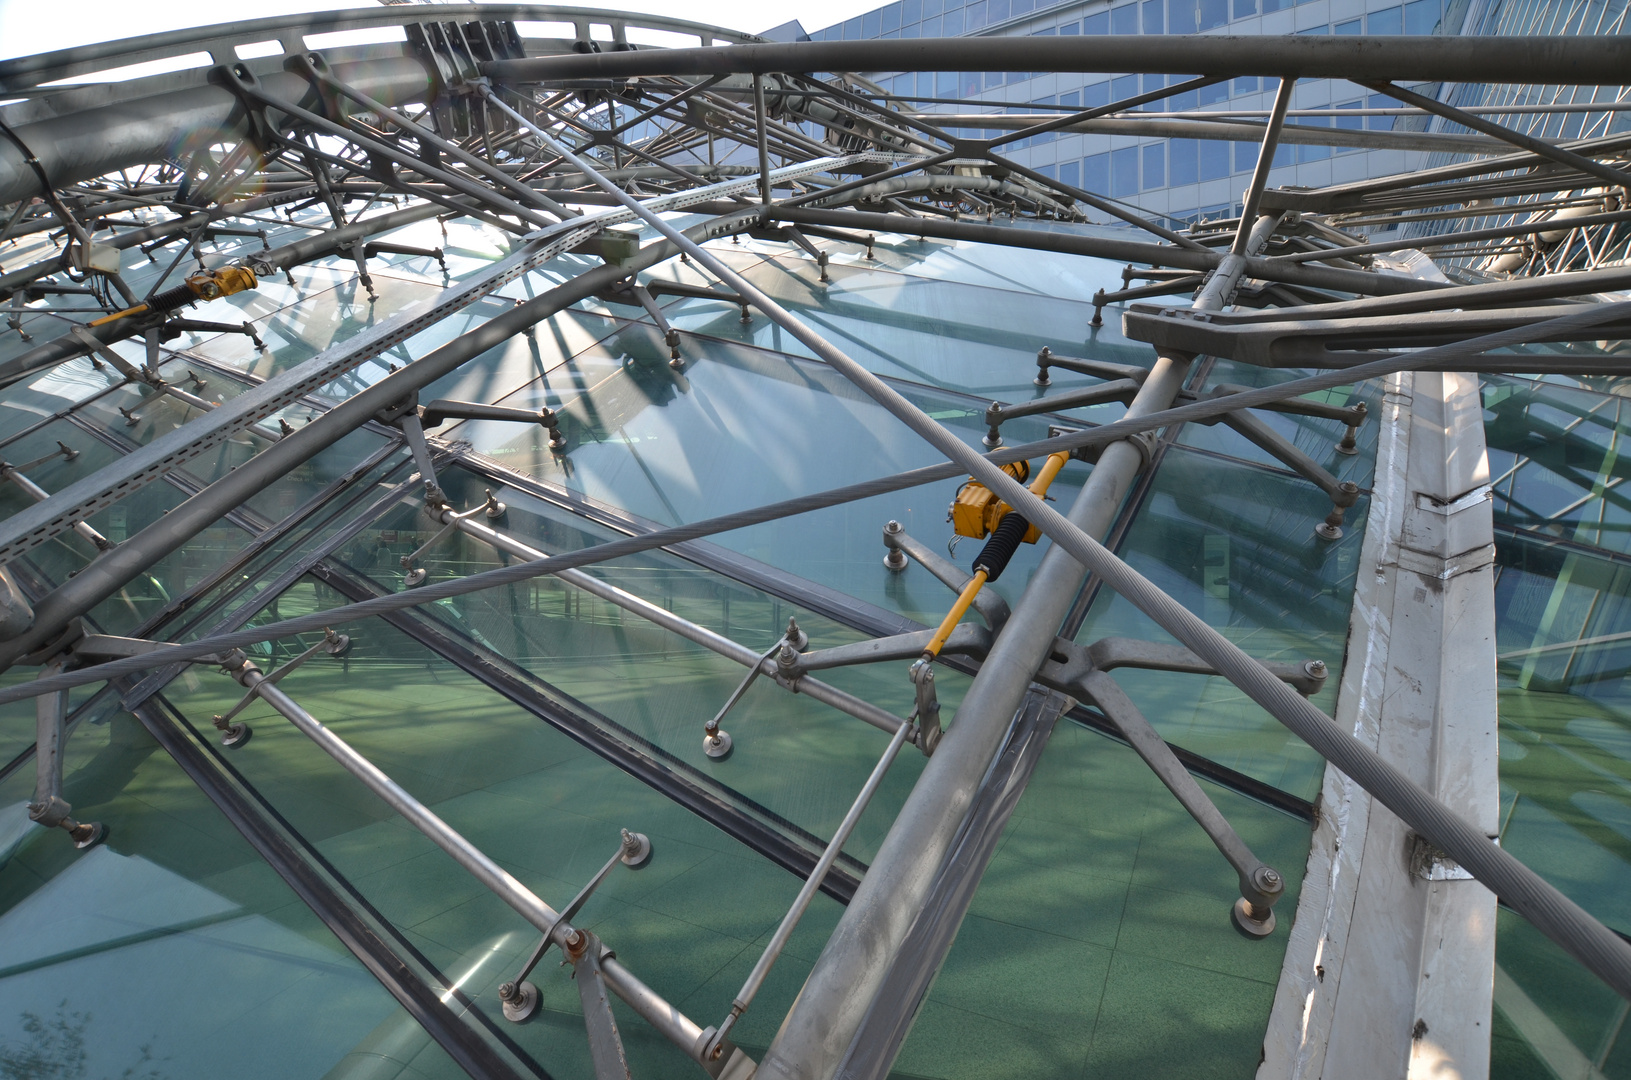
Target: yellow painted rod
<point>955,615</point>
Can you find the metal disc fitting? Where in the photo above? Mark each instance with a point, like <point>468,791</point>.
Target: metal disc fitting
<point>1244,917</point>
<point>716,743</point>
<point>520,1001</point>
<point>636,849</point>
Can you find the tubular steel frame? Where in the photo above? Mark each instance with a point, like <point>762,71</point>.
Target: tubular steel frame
<point>557,140</point>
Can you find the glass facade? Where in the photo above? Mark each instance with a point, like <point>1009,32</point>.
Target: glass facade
<point>1561,635</point>
<point>538,719</point>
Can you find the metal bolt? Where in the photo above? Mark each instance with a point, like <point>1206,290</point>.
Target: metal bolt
<point>1271,878</point>
<point>508,992</point>
<point>711,729</point>
<point>1316,669</point>
<point>574,940</point>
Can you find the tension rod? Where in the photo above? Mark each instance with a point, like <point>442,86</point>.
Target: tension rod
<point>993,558</point>
<point>519,996</point>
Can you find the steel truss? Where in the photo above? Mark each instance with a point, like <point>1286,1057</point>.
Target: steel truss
<point>556,142</point>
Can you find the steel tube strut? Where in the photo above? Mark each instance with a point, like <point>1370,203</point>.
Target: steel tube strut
<point>93,143</point>
<point>1570,61</point>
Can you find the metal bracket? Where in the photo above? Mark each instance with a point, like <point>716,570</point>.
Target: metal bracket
<point>928,707</point>
<point>239,666</point>
<point>443,409</point>
<point>1260,885</point>
<point>48,807</point>
<point>717,744</point>
<point>413,433</point>
<point>992,607</point>
<point>414,576</point>
<point>520,998</point>
<point>605,1044</point>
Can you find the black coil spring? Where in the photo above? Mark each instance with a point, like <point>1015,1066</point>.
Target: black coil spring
<point>170,299</point>
<point>1005,540</point>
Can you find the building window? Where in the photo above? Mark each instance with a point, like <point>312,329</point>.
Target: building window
<point>1153,22</point>
<point>1214,13</point>
<point>1095,95</point>
<point>1070,172</point>
<point>1124,87</point>
<point>1314,153</point>
<point>1155,165</point>
<point>1245,8</point>
<point>1097,24</point>
<point>1381,101</point>
<point>1351,27</point>
<point>1096,174</point>
<point>1071,28</point>
<point>852,29</point>
<point>951,23</point>
<point>1246,85</point>
<point>1124,171</point>
<point>1124,19</point>
<point>1214,160</point>
<point>1421,17</point>
<point>1350,123</point>
<point>1185,161</point>
<point>1390,21</point>
<point>1246,156</point>
<point>1180,16</point>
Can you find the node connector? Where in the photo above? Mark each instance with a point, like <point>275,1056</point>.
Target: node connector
<point>636,849</point>
<point>894,559</point>
<point>1349,444</point>
<point>1253,913</point>
<point>1331,527</point>
<point>519,1001</point>
<point>796,637</point>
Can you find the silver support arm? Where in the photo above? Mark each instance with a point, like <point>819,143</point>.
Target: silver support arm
<point>1260,885</point>
<point>801,903</point>
<point>49,808</point>
<point>992,607</point>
